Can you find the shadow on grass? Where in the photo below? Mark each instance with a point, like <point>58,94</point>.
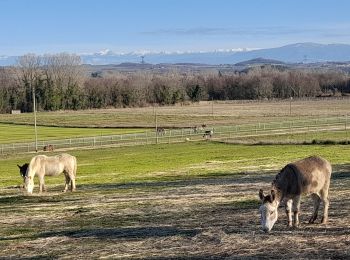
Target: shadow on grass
<point>210,179</point>
<point>36,257</point>
<point>194,257</point>
<point>122,233</point>
<point>213,178</point>
<point>22,199</point>
<point>340,176</point>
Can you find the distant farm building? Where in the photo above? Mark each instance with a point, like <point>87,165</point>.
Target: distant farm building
<point>15,112</point>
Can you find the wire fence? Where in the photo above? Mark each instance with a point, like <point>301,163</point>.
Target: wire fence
<point>185,134</point>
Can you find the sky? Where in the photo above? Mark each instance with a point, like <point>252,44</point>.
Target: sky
<point>88,26</point>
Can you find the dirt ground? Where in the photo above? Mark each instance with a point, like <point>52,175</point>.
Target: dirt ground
<point>212,218</point>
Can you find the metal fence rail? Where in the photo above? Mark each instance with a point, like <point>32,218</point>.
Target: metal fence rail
<point>185,134</point>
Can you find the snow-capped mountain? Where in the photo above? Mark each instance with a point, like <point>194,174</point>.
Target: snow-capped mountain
<point>293,53</point>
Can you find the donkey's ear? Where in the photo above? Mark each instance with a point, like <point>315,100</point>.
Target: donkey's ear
<point>261,194</point>
<point>19,166</point>
<point>273,195</point>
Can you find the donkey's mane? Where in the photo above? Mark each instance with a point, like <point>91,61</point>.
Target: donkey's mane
<point>279,181</point>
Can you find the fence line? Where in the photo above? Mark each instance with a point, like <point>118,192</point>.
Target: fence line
<point>185,134</point>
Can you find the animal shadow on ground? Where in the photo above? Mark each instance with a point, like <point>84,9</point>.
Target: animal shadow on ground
<point>123,232</point>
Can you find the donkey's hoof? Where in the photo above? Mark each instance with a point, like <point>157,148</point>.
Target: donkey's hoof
<point>312,219</point>
<point>324,221</point>
<point>296,226</point>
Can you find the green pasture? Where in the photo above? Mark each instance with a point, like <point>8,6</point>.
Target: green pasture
<point>189,115</point>
<point>79,119</point>
<point>10,133</point>
<point>172,201</point>
<point>110,119</point>
<point>297,138</point>
<point>138,118</point>
<point>176,161</point>
<point>197,197</point>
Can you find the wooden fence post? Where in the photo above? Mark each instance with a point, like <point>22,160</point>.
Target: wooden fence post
<point>346,121</point>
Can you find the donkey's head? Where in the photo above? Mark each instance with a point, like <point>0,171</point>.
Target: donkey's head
<point>28,180</point>
<point>23,169</point>
<point>268,210</point>
<point>29,184</point>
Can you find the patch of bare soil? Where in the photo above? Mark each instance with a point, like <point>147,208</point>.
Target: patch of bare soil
<point>214,218</point>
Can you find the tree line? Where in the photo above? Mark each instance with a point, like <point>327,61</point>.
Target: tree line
<point>60,82</point>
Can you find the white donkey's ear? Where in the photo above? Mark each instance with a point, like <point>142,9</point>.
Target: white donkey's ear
<point>273,195</point>
<point>261,194</point>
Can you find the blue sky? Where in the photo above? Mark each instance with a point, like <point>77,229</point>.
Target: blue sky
<point>84,26</point>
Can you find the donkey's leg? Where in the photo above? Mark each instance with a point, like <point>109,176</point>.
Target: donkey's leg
<point>317,202</point>
<point>41,184</point>
<point>296,209</point>
<point>67,182</point>
<point>72,183</point>
<point>289,211</point>
<point>325,200</point>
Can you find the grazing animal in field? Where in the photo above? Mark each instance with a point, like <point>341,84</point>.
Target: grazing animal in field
<point>42,165</point>
<point>309,176</point>
<point>160,131</point>
<point>48,148</point>
<point>23,169</point>
<point>208,134</point>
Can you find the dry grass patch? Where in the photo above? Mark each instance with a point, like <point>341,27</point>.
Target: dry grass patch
<point>210,218</point>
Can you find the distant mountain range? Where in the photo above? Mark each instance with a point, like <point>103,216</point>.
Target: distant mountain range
<point>293,53</point>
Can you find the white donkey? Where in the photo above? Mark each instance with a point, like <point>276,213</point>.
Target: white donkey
<point>42,165</point>
<point>308,176</point>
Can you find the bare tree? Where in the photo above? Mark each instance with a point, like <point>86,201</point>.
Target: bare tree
<point>63,71</point>
<point>29,67</point>
<point>29,70</point>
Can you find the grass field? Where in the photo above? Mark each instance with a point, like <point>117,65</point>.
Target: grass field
<point>11,133</point>
<point>194,200</point>
<point>294,138</point>
<point>210,113</point>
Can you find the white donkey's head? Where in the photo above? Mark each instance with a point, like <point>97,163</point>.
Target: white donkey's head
<point>29,183</point>
<point>268,210</point>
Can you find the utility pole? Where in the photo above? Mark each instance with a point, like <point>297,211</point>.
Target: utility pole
<point>290,100</point>
<point>156,124</point>
<point>35,129</point>
<point>29,67</point>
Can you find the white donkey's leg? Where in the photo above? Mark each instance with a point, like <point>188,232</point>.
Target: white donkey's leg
<point>289,211</point>
<point>73,184</point>
<point>71,175</point>
<point>296,209</point>
<point>67,182</point>
<point>41,184</point>
<point>324,198</point>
